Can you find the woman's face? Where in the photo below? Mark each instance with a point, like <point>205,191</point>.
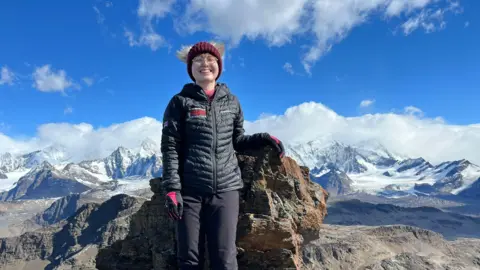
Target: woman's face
<point>205,68</point>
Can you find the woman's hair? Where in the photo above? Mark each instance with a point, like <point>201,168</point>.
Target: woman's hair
<point>182,54</point>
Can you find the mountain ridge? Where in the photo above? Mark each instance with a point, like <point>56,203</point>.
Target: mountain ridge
<point>364,167</point>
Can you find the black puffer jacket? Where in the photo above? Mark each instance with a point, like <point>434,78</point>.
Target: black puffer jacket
<point>200,138</point>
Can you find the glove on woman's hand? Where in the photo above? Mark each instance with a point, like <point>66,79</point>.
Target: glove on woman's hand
<point>275,143</point>
<point>174,205</point>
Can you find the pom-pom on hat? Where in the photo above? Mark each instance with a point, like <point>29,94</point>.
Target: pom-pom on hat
<point>187,53</point>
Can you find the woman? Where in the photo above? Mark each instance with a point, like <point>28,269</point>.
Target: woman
<point>202,130</point>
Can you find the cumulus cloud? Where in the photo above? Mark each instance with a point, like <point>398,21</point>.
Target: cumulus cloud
<point>366,103</point>
<point>48,80</point>
<point>278,22</point>
<point>288,68</point>
<point>403,133</point>
<point>148,11</point>
<point>83,141</point>
<point>275,21</point>
<point>413,110</point>
<point>6,76</point>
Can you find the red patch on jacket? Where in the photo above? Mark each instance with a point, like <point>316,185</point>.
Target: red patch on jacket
<point>197,112</point>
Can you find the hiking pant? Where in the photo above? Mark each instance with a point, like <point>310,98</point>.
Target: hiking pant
<point>214,216</point>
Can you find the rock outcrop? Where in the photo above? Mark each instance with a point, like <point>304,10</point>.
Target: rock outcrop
<point>450,224</point>
<point>59,210</point>
<point>73,243</point>
<point>396,247</point>
<point>281,208</point>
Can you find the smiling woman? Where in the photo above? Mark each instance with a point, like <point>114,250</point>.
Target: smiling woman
<point>202,131</point>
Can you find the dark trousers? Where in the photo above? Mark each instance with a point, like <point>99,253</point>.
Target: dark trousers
<point>213,216</point>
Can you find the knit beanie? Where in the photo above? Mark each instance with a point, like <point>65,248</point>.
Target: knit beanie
<point>186,54</point>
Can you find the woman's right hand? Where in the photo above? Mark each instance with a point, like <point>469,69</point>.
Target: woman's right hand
<point>174,205</point>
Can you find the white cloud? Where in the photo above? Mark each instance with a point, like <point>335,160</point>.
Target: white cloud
<point>278,22</point>
<point>366,103</point>
<point>83,141</point>
<point>396,7</point>
<point>68,110</point>
<point>288,68</point>
<point>467,24</point>
<point>403,133</point>
<point>100,17</point>
<point>149,11</point>
<point>430,20</point>
<point>49,80</point>
<point>411,110</point>
<point>154,8</point>
<point>88,81</point>
<point>6,76</point>
<point>148,38</point>
<point>274,20</point>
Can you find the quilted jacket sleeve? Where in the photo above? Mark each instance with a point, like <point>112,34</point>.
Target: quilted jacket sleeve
<point>241,141</point>
<point>171,145</point>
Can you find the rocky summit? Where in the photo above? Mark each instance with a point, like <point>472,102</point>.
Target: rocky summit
<point>280,208</point>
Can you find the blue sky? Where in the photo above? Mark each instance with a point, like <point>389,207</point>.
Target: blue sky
<point>423,54</point>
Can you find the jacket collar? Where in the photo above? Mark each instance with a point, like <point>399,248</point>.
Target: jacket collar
<point>194,91</point>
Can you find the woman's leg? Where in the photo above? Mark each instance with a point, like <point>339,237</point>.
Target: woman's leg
<point>190,234</point>
<point>221,218</point>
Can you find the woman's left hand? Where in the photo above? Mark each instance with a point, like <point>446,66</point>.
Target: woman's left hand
<point>276,144</point>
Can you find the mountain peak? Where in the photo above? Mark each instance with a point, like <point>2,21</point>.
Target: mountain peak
<point>148,148</point>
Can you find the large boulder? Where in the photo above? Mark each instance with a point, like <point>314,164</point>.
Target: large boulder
<point>281,209</point>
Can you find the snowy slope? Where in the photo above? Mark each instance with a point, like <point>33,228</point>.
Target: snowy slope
<point>52,154</point>
<point>375,170</point>
<point>123,162</point>
<point>367,166</point>
<point>347,158</point>
<point>335,181</point>
<point>31,174</point>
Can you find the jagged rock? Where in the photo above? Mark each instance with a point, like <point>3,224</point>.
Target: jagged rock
<point>450,224</point>
<point>280,209</point>
<point>59,210</point>
<point>3,175</point>
<point>74,243</point>
<point>395,247</point>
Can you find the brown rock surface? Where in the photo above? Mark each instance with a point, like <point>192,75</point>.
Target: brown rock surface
<point>280,209</point>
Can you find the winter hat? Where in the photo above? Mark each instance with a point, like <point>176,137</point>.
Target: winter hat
<point>187,53</point>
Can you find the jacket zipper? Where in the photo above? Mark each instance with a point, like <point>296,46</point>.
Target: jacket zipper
<point>214,146</point>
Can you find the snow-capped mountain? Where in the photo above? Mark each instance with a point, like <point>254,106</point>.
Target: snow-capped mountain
<point>333,180</point>
<point>374,169</point>
<point>145,161</point>
<point>341,168</point>
<point>43,181</point>
<point>472,191</point>
<point>52,154</point>
<point>347,158</point>
<point>29,178</point>
<point>453,177</point>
